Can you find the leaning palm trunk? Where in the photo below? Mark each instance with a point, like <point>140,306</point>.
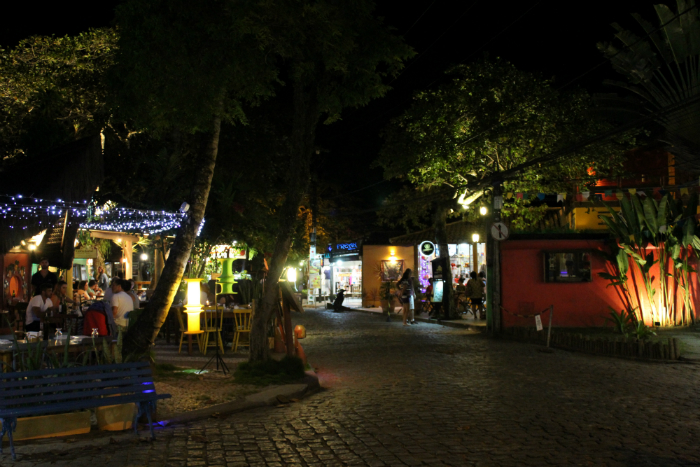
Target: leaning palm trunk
<point>306,116</point>
<point>139,339</point>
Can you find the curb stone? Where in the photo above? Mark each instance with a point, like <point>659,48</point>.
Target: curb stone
<point>267,397</point>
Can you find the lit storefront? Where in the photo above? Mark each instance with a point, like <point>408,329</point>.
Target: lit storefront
<point>342,269</point>
<point>464,258</point>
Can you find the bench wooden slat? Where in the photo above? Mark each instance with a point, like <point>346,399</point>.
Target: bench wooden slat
<point>51,382</point>
<point>26,391</point>
<point>40,399</point>
<point>81,405</point>
<point>61,390</point>
<point>75,370</point>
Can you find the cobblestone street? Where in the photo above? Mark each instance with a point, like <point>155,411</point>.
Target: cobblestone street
<point>431,395</point>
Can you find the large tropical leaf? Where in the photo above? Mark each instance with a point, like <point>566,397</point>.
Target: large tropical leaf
<point>631,220</point>
<point>688,232</point>
<point>662,212</point>
<point>623,263</point>
<point>650,216</point>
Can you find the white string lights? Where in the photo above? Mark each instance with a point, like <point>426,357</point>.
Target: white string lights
<point>22,212</point>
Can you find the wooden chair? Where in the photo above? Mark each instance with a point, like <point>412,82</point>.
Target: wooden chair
<point>243,322</point>
<point>212,325</point>
<point>183,328</point>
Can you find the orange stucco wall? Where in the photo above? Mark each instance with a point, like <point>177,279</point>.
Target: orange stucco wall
<point>371,257</point>
<point>580,304</point>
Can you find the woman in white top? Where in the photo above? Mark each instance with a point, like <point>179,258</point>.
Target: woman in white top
<point>37,308</point>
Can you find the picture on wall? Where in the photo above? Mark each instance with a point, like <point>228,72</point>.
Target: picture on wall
<point>392,270</point>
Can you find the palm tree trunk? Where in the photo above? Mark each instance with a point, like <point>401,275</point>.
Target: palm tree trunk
<point>139,339</point>
<point>306,116</point>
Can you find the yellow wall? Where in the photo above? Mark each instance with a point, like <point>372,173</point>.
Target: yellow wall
<point>587,218</point>
<point>371,256</point>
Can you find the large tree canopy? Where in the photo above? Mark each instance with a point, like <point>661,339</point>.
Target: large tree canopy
<point>493,118</point>
<point>52,90</point>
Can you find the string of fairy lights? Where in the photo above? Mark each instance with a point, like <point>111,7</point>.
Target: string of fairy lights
<point>20,212</point>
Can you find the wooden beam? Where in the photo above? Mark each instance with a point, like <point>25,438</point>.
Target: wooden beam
<point>114,235</point>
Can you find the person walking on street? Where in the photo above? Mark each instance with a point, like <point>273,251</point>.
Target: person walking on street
<point>475,291</point>
<point>407,297</point>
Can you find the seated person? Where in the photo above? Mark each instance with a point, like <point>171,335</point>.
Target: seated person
<point>93,290</point>
<point>59,297</point>
<point>37,308</point>
<point>81,294</point>
<point>429,290</point>
<point>461,288</point>
<point>131,291</point>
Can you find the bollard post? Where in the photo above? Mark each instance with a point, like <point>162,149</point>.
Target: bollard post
<point>549,330</point>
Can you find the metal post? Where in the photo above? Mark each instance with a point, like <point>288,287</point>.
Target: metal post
<point>549,330</point>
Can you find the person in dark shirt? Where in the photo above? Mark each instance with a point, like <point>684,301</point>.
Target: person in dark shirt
<point>43,276</point>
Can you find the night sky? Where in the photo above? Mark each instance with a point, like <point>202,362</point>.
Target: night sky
<point>554,38</point>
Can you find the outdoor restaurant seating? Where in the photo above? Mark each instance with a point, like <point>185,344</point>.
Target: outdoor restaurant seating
<point>213,324</point>
<point>183,327</point>
<point>243,320</point>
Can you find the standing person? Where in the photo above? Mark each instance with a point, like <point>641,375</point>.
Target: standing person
<point>475,291</point>
<point>37,308</point>
<point>43,276</point>
<point>407,296</point>
<point>482,310</point>
<point>102,279</point>
<point>122,304</point>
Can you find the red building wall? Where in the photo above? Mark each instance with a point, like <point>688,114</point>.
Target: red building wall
<point>581,304</point>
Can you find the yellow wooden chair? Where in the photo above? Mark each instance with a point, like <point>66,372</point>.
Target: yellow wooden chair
<point>212,325</point>
<point>183,328</point>
<point>243,321</point>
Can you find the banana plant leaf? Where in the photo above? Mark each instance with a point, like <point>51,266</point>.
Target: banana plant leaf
<point>622,263</point>
<point>650,215</point>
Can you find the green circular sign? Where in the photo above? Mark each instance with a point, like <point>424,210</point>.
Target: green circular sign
<point>427,248</point>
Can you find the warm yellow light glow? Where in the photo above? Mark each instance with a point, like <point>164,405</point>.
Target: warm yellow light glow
<point>475,238</point>
<point>32,246</point>
<point>292,275</point>
<point>144,257</point>
<point>483,210</point>
<point>193,308</point>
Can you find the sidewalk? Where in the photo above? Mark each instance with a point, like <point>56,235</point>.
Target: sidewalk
<point>467,322</point>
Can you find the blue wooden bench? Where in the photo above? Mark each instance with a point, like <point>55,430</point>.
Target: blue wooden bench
<point>42,392</point>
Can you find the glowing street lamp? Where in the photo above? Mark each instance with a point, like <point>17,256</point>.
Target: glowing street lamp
<point>475,238</point>
<point>292,275</point>
<point>483,210</point>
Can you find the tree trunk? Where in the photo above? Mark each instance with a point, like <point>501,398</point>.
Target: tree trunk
<point>440,224</point>
<point>139,339</point>
<point>306,116</point>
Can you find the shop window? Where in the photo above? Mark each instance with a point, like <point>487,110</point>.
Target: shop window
<point>567,266</point>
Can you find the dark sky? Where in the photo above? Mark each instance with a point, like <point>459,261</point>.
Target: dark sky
<point>551,37</point>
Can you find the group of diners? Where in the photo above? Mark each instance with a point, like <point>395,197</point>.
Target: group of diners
<point>50,297</point>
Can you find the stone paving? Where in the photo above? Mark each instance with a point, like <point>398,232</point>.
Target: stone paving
<point>432,395</point>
